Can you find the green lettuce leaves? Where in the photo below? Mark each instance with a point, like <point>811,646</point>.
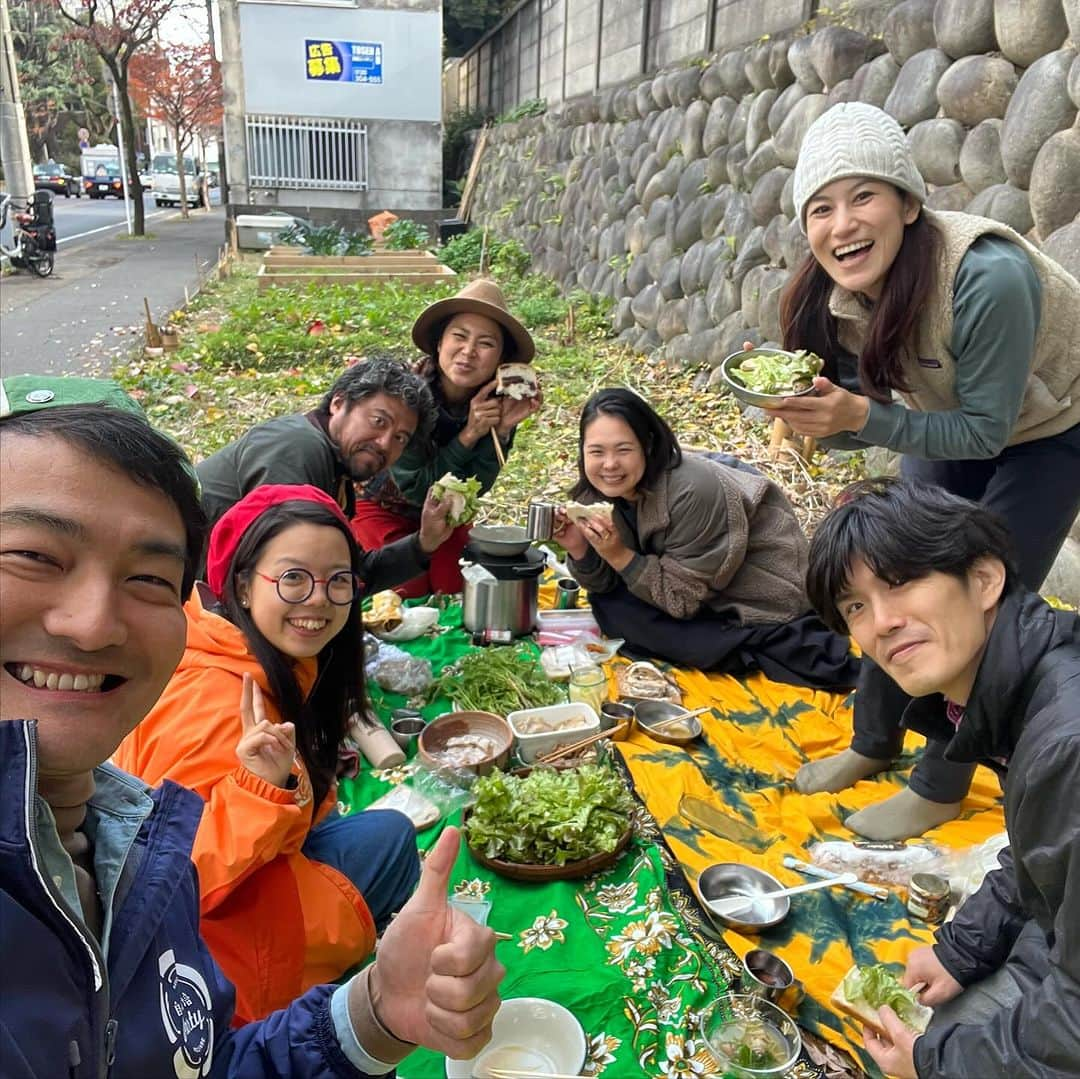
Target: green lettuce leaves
<point>549,817</point>
<point>776,373</point>
<point>464,496</point>
<point>877,985</point>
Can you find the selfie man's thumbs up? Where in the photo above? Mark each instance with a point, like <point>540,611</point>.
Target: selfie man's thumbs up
<point>435,980</point>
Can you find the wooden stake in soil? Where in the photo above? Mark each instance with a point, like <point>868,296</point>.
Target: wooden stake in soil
<point>465,209</point>
<point>153,337</point>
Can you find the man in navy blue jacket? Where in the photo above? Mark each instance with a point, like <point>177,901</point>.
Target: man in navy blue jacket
<point>104,971</point>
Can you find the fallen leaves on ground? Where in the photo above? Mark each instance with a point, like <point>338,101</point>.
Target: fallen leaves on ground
<point>247,356</point>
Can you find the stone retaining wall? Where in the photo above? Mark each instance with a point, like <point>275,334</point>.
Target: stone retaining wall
<point>673,195</point>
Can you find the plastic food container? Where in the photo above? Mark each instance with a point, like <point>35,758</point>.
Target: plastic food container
<point>531,746</point>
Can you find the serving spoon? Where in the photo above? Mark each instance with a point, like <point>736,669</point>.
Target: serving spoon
<point>733,904</point>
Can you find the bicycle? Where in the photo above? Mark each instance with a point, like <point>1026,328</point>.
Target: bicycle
<point>33,233</point>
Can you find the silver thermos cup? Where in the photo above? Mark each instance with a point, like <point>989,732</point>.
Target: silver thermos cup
<point>541,523</point>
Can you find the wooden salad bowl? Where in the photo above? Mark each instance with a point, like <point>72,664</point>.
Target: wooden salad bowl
<point>536,871</point>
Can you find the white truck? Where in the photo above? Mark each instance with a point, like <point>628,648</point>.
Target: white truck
<point>101,173</point>
<point>166,180</point>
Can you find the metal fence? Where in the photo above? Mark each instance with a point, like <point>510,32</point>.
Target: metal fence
<point>306,152</point>
<point>557,49</point>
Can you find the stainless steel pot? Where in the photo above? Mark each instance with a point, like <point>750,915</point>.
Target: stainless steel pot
<point>501,594</point>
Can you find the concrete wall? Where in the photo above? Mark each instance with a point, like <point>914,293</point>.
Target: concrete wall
<point>584,45</point>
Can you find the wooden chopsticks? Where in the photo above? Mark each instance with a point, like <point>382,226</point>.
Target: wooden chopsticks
<point>566,751</point>
<point>498,448</point>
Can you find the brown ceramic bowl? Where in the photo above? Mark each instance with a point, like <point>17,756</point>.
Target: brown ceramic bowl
<point>432,745</point>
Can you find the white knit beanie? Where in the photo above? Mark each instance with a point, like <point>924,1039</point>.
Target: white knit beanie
<point>854,139</point>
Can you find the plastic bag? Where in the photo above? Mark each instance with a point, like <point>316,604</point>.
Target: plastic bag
<point>449,788</point>
<point>967,868</point>
<point>878,863</point>
<point>420,809</point>
<point>559,660</point>
<point>409,676</point>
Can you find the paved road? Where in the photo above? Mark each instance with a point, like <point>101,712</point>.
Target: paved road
<point>89,311</point>
<point>76,217</point>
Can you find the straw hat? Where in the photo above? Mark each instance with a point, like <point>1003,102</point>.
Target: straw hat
<point>480,297</point>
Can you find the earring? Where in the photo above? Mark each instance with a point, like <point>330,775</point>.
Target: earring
<point>245,604</point>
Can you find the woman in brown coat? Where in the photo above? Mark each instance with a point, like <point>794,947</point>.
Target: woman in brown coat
<point>701,560</point>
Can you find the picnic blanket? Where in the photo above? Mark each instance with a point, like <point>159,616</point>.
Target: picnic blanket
<point>755,737</point>
<point>629,951</point>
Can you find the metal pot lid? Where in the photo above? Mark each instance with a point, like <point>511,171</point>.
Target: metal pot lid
<point>525,566</point>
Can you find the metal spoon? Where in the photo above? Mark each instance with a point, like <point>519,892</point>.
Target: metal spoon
<point>734,904</point>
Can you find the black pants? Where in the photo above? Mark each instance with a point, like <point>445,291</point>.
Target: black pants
<point>1035,489</point>
<point>802,652</point>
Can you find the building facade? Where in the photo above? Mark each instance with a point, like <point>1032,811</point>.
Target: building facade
<point>332,107</point>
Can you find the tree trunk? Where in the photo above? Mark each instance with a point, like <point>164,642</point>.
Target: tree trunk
<point>180,175</point>
<point>120,74</point>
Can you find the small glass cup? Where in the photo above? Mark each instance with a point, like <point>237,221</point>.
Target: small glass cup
<point>588,685</point>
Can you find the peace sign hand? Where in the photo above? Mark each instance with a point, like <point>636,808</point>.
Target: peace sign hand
<point>265,749</point>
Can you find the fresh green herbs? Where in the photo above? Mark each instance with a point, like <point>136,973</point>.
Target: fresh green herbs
<point>549,817</point>
<point>499,680</point>
<point>778,373</point>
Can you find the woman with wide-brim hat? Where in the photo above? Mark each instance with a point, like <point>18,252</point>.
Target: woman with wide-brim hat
<point>464,339</point>
<point>979,333</point>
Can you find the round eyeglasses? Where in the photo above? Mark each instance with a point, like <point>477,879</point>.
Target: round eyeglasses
<point>297,585</point>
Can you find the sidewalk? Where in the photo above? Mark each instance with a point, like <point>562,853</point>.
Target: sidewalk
<point>90,311</point>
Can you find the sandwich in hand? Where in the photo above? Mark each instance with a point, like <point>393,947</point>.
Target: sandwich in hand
<point>464,496</point>
<point>865,989</point>
<point>516,380</point>
<point>579,513</point>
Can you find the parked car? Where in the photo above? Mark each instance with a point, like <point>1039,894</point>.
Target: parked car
<point>106,180</point>
<point>56,178</point>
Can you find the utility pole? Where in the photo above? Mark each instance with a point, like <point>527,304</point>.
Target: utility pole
<point>14,147</point>
<point>223,176</point>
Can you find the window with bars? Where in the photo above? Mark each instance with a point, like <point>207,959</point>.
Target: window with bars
<point>306,152</point>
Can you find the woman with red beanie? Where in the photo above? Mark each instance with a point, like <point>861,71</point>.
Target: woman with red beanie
<point>292,894</point>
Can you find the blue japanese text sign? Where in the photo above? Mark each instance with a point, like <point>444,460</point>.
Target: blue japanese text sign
<point>344,61</point>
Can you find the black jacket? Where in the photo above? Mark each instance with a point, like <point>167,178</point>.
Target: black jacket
<point>1024,708</point>
<point>297,449</point>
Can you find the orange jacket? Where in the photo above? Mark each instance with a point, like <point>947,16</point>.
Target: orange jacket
<point>276,921</point>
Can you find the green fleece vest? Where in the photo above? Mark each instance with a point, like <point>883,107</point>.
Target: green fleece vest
<point>1052,397</point>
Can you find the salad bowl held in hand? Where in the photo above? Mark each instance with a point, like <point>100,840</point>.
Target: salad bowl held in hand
<point>787,374</point>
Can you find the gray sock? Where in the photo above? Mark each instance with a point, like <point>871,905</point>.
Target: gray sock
<point>837,773</point>
<point>903,816</point>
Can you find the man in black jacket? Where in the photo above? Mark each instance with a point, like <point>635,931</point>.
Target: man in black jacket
<point>361,427</point>
<point>925,584</point>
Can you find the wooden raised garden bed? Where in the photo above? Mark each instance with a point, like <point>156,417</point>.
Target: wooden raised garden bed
<point>286,267</point>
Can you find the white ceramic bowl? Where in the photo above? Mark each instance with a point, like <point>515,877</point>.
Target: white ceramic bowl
<point>531,746</point>
<point>529,1034</point>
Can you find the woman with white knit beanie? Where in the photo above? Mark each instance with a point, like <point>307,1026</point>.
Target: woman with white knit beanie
<point>947,338</point>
